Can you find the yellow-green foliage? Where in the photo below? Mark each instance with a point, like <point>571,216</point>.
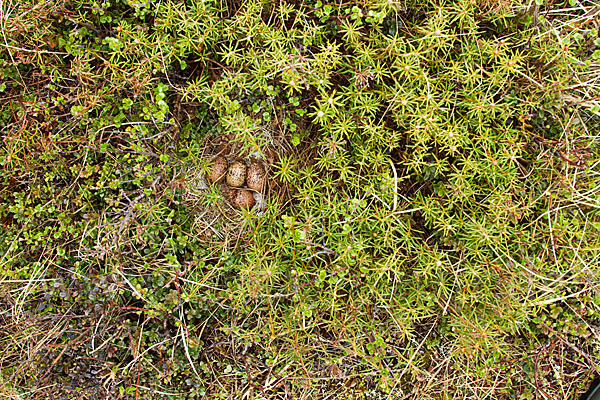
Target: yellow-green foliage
<point>431,228</point>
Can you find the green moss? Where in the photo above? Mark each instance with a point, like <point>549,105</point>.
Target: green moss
<point>431,223</point>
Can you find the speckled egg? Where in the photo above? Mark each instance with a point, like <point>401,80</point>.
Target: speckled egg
<point>237,174</point>
<point>242,199</point>
<point>255,178</point>
<point>218,169</point>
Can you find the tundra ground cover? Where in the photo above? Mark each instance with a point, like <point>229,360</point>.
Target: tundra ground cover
<point>431,222</point>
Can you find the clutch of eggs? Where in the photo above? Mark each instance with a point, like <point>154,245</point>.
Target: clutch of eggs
<point>236,175</point>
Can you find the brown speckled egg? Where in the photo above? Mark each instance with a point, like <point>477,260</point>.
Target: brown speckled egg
<point>242,199</point>
<point>237,174</point>
<point>256,177</point>
<point>218,169</point>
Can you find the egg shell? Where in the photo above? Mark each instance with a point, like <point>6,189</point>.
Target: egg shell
<point>243,199</point>
<point>256,177</point>
<point>237,174</point>
<point>218,169</point>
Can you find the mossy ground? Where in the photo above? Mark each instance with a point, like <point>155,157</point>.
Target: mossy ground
<point>431,226</point>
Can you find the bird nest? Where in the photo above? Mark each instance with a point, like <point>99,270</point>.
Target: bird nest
<point>217,202</point>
